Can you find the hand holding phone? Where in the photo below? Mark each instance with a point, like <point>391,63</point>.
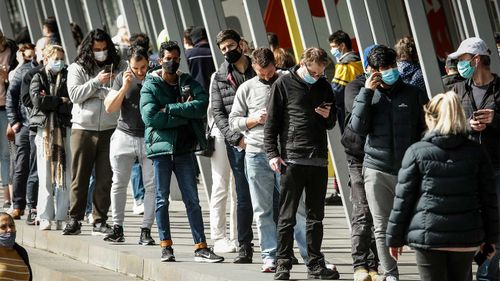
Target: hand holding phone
<point>108,68</point>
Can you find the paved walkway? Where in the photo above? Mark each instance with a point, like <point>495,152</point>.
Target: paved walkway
<point>143,261</point>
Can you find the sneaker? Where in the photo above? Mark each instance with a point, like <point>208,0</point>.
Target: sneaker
<point>73,227</point>
<point>146,238</point>
<point>361,274</point>
<point>294,260</point>
<point>206,255</point>
<point>16,213</point>
<point>101,229</point>
<point>138,209</point>
<point>89,218</point>
<point>283,270</point>
<point>391,278</point>
<point>116,235</point>
<point>333,200</point>
<point>6,205</point>
<point>374,275</point>
<point>45,225</point>
<point>59,225</point>
<point>224,245</point>
<point>323,273</point>
<point>31,219</point>
<point>245,254</point>
<point>167,254</point>
<point>268,266</point>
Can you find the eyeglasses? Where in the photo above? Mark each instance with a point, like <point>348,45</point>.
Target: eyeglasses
<point>316,76</point>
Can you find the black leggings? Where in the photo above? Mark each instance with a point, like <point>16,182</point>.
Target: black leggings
<point>444,265</point>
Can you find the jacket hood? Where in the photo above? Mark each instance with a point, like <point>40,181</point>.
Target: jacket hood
<point>349,57</point>
<point>445,141</point>
<point>154,76</point>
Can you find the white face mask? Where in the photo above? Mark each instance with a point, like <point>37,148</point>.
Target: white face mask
<point>101,56</point>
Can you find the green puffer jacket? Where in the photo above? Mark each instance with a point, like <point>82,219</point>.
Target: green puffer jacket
<point>162,127</point>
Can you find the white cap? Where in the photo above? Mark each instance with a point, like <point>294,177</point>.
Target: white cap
<point>473,45</point>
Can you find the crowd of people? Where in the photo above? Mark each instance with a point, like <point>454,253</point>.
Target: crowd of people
<point>422,173</point>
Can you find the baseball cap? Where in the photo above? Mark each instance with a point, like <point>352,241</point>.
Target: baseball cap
<point>366,53</point>
<point>473,45</point>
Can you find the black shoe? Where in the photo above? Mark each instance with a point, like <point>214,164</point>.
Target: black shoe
<point>101,229</point>
<point>245,254</point>
<point>323,273</point>
<point>294,260</point>
<point>116,236</point>
<point>146,238</point>
<point>207,255</point>
<point>333,200</point>
<point>73,227</point>
<point>282,270</point>
<point>167,254</point>
<point>31,219</point>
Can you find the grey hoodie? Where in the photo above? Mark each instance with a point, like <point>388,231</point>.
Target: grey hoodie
<point>87,95</point>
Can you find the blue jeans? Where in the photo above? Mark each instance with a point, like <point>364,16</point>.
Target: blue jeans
<point>264,188</point>
<point>493,270</point>
<point>244,202</point>
<point>137,184</point>
<point>4,150</point>
<point>185,171</point>
<point>90,194</point>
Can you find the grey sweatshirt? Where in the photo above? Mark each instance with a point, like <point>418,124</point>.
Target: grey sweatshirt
<point>250,98</point>
<point>87,95</point>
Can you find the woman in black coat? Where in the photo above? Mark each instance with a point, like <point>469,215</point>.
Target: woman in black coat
<point>445,205</point>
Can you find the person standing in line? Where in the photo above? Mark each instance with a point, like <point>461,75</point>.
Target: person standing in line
<point>127,146</point>
<point>235,70</point>
<point>390,114</point>
<point>300,111</point>
<point>89,79</point>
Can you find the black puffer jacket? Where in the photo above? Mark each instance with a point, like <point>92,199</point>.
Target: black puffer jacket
<point>445,196</point>
<point>352,142</point>
<point>392,120</point>
<point>45,102</point>
<point>489,137</point>
<point>223,91</point>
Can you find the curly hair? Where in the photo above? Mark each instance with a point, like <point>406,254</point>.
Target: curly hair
<point>406,49</point>
<point>85,57</point>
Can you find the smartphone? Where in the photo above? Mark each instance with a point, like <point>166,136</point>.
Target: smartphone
<point>325,104</point>
<point>186,92</point>
<point>108,68</point>
<point>377,78</point>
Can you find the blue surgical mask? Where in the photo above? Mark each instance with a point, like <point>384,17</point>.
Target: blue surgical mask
<point>390,76</point>
<point>308,78</point>
<point>465,69</point>
<point>56,65</point>
<point>7,239</point>
<point>336,53</point>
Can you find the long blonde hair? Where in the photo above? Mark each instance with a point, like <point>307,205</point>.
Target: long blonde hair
<point>445,115</point>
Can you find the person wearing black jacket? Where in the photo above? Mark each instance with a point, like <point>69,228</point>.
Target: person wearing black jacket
<point>452,76</point>
<point>199,58</point>
<point>363,248</point>
<point>300,112</point>
<point>480,96</point>
<point>231,74</point>
<point>445,206</point>
<point>389,113</point>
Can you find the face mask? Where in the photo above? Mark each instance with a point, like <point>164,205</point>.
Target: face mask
<point>101,56</point>
<point>336,53</point>
<point>308,78</point>
<point>232,56</point>
<point>7,239</point>
<point>390,76</point>
<point>465,69</point>
<point>56,65</point>
<point>170,66</point>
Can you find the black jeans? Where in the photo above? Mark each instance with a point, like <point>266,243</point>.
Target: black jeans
<point>293,181</point>
<point>363,247</point>
<point>444,265</point>
<point>32,183</point>
<point>21,168</point>
<point>244,208</point>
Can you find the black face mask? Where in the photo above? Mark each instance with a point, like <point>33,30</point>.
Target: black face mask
<point>270,81</point>
<point>170,66</point>
<point>233,56</point>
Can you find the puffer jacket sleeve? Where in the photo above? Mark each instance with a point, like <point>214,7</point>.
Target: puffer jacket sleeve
<point>361,112</point>
<point>151,113</point>
<point>274,122</point>
<point>488,198</point>
<point>407,194</point>
<point>195,109</point>
<point>221,116</point>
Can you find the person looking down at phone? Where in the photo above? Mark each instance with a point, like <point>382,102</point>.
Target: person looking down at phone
<point>88,86</point>
<point>480,97</point>
<point>445,206</point>
<point>390,114</point>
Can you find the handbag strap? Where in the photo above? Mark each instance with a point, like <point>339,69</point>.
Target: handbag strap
<point>211,127</point>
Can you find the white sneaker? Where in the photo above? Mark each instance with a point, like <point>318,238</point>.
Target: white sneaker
<point>224,246</point>
<point>60,225</point>
<point>45,225</point>
<point>138,209</point>
<point>268,266</point>
<point>89,218</point>
<point>391,278</point>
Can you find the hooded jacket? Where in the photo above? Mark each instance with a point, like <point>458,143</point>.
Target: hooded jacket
<point>347,68</point>
<point>352,142</point>
<point>162,126</point>
<point>445,196</point>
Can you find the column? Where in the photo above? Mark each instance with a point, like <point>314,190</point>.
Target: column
<point>67,40</point>
<point>331,15</point>
<point>214,22</point>
<point>256,22</point>
<point>360,24</point>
